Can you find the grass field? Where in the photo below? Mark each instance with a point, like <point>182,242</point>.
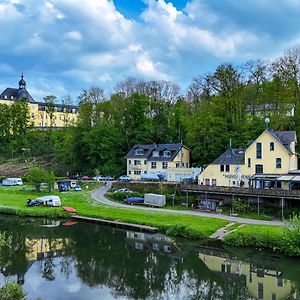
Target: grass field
<point>13,201</point>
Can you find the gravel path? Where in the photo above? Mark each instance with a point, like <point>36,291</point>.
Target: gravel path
<point>98,195</point>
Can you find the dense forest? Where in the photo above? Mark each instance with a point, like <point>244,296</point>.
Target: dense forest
<point>229,104</point>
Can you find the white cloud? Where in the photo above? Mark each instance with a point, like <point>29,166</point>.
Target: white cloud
<point>105,77</point>
<point>74,35</point>
<point>75,43</point>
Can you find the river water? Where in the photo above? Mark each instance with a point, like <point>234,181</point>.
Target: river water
<point>67,260</point>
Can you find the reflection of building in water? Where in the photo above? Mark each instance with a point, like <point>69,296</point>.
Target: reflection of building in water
<point>40,248</point>
<point>34,250</point>
<point>261,283</point>
<point>153,242</point>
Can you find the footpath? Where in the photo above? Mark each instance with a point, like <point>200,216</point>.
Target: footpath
<point>99,195</point>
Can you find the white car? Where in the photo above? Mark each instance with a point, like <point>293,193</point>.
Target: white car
<point>77,188</point>
<point>97,178</point>
<point>124,190</point>
<point>125,178</point>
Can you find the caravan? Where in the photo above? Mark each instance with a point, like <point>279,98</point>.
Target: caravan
<point>12,181</point>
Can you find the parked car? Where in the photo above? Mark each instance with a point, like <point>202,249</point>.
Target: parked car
<point>77,188</point>
<point>108,178</point>
<point>64,188</point>
<point>97,178</point>
<point>125,178</point>
<point>124,190</point>
<point>31,202</point>
<point>85,178</point>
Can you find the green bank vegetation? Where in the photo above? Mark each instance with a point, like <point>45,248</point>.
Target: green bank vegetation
<point>13,201</point>
<point>281,239</point>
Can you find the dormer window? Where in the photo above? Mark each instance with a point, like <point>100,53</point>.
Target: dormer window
<point>155,153</point>
<point>11,97</point>
<point>139,151</point>
<point>167,153</point>
<point>5,97</point>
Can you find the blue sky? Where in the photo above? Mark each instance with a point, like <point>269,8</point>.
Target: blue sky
<point>64,46</point>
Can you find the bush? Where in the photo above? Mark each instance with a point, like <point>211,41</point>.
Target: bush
<point>12,291</point>
<point>240,206</point>
<point>291,241</point>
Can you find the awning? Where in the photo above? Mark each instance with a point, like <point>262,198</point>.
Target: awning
<point>285,178</point>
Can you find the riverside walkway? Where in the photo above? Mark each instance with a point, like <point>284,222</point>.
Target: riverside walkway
<point>99,195</point>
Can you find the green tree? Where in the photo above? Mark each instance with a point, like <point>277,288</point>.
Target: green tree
<point>38,175</point>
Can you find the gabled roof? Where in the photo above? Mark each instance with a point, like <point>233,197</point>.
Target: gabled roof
<point>230,157</point>
<point>284,137</point>
<point>16,94</point>
<point>149,148</point>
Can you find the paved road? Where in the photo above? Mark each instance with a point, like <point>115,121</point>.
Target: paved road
<point>98,195</point>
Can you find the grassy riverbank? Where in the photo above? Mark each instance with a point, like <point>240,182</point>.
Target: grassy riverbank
<point>13,201</point>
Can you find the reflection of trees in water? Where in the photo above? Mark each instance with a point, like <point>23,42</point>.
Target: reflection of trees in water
<point>106,259</point>
<point>101,256</point>
<point>47,268</point>
<point>66,266</point>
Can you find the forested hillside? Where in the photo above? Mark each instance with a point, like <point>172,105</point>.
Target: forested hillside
<point>230,103</point>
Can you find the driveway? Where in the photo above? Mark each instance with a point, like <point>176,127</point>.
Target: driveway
<point>99,195</point>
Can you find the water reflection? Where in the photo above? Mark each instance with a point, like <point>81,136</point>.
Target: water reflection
<point>85,261</point>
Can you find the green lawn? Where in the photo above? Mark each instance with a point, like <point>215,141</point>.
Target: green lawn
<point>13,200</point>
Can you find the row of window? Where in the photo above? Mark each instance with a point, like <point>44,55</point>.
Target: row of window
<point>138,162</point>
<point>155,153</point>
<point>278,163</point>
<point>259,149</point>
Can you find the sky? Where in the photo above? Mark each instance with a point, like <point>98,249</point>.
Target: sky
<point>65,46</point>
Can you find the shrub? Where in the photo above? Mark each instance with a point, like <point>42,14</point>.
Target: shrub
<point>12,291</point>
<point>240,206</point>
<point>291,241</point>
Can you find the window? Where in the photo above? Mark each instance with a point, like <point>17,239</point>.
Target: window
<point>223,268</point>
<point>5,97</point>
<point>259,169</point>
<point>155,153</point>
<point>258,151</point>
<point>145,162</point>
<point>214,182</point>
<point>137,162</point>
<point>207,181</point>
<point>249,162</point>
<point>221,168</point>
<point>129,161</point>
<point>260,290</point>
<point>139,246</point>
<point>32,115</point>
<point>167,249</point>
<point>11,97</point>
<point>278,163</point>
<point>187,165</point>
<point>280,281</point>
<point>167,153</point>
<point>177,165</point>
<point>137,172</point>
<point>153,165</point>
<point>139,151</point>
<point>129,172</point>
<point>155,246</point>
<point>272,146</point>
<point>227,168</point>
<point>165,165</point>
<point>274,297</point>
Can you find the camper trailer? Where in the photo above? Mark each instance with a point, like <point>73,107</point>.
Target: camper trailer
<point>49,200</point>
<point>155,200</point>
<point>12,181</point>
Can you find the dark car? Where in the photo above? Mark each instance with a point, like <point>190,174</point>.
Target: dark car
<point>33,202</point>
<point>64,188</point>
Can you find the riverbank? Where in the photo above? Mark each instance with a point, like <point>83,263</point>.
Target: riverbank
<point>13,201</point>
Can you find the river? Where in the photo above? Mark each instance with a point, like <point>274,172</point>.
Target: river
<point>67,260</point>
